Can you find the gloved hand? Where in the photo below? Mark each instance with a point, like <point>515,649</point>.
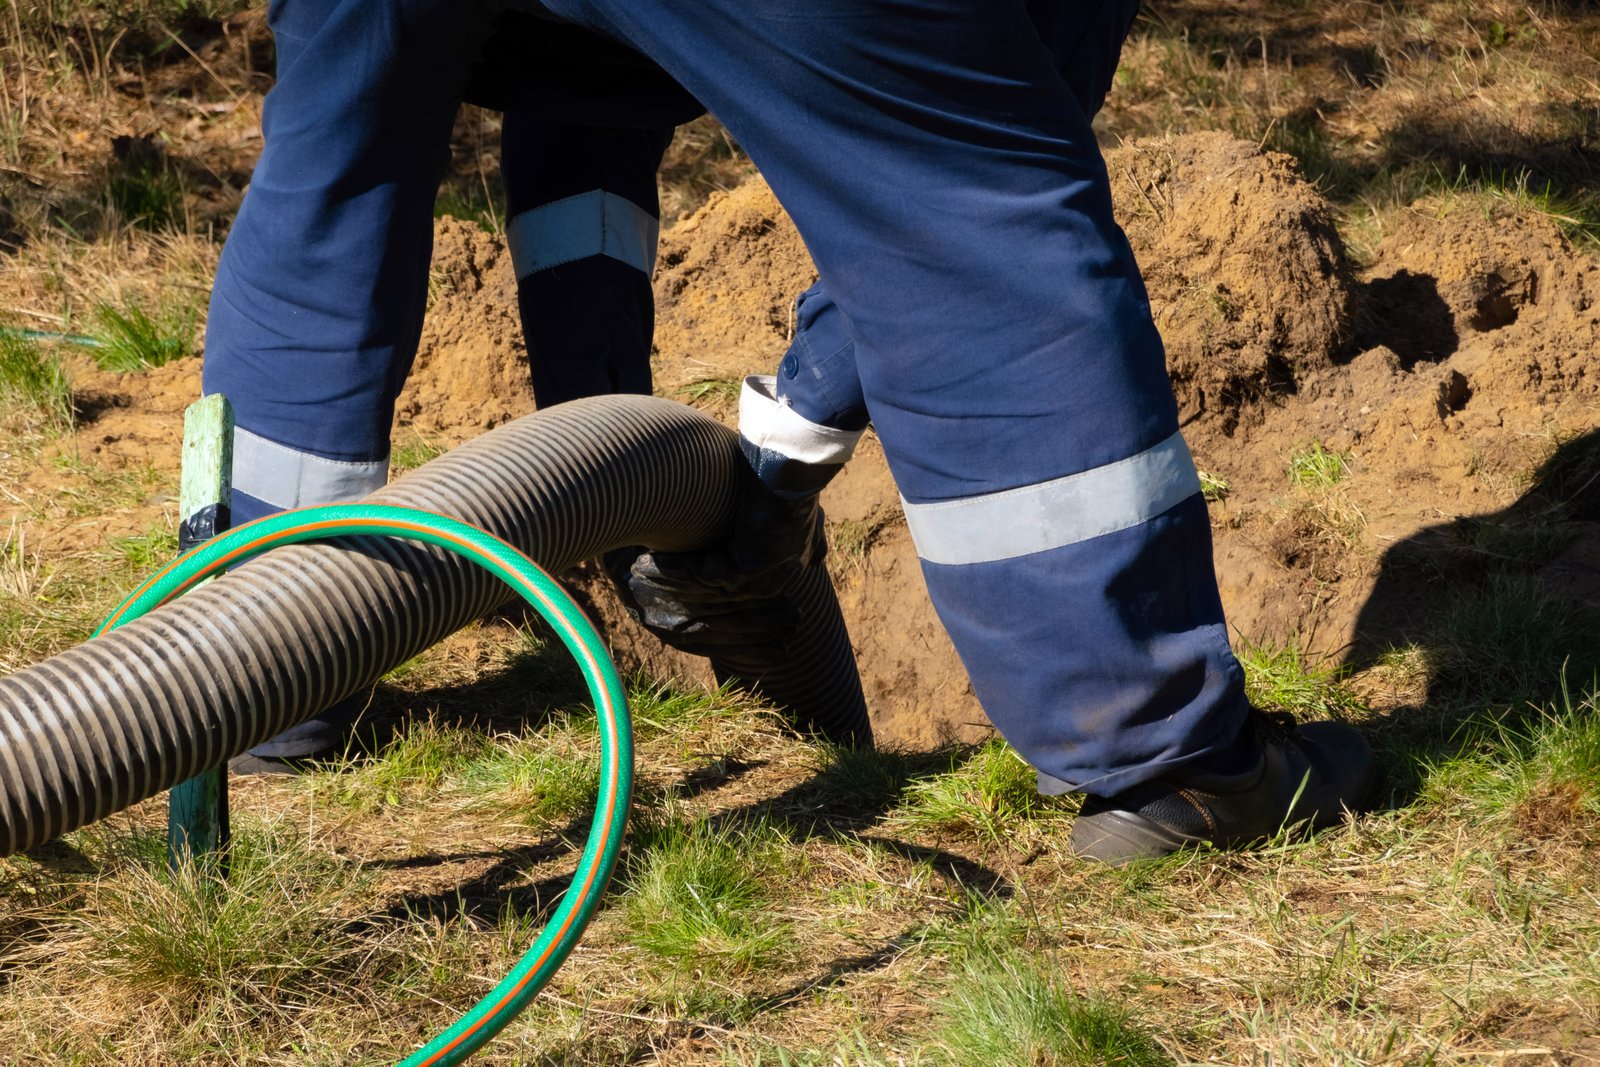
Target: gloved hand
<point>730,597</point>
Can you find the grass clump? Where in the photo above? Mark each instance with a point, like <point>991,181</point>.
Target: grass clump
<point>717,394</point>
<point>258,941</point>
<point>145,552</point>
<point>1317,467</point>
<point>1542,774</point>
<point>658,709</point>
<point>1214,488</point>
<point>33,381</point>
<point>699,899</point>
<point>861,780</point>
<point>1502,641</point>
<point>1281,679</point>
<point>131,340</point>
<point>992,796</point>
<point>1576,212</point>
<point>532,779</point>
<point>147,191</point>
<point>1004,1007</point>
<point>411,767</point>
<point>414,453</point>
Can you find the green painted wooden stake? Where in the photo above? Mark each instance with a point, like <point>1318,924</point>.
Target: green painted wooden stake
<point>197,810</point>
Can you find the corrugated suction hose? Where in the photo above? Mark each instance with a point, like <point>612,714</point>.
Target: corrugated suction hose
<point>120,718</point>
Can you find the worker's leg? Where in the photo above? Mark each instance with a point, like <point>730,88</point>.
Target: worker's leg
<point>817,378</point>
<point>317,307</point>
<point>951,192</point>
<point>582,222</point>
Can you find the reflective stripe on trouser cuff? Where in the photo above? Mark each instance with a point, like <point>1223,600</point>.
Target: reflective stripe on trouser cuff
<point>773,426</point>
<point>286,478</point>
<point>1057,513</point>
<point>595,223</point>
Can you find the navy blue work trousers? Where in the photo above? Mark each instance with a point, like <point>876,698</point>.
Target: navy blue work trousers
<point>317,309</point>
<point>977,302</point>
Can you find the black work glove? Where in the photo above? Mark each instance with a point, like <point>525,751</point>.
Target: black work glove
<point>731,597</point>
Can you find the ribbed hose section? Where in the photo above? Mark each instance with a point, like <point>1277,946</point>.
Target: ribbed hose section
<point>120,718</point>
<point>816,681</point>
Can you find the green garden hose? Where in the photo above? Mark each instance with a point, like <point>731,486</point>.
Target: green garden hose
<point>51,337</point>
<point>560,935</point>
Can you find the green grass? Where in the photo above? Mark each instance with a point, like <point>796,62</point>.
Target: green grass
<point>1316,467</point>
<point>411,768</point>
<point>474,199</point>
<point>658,709</point>
<point>1575,212</point>
<point>148,192</point>
<point>700,897</point>
<point>32,380</point>
<point>718,393</point>
<point>96,489</point>
<point>1012,1007</point>
<point>414,453</point>
<point>539,667</point>
<point>1514,540</point>
<point>147,551</point>
<point>1214,488</point>
<point>132,340</point>
<point>1542,774</point>
<point>862,780</point>
<point>535,780</point>
<point>1279,678</point>
<point>1503,641</point>
<point>540,779</point>
<point>992,795</point>
<point>261,939</point>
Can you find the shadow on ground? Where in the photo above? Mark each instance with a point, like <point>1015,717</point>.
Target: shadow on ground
<point>1488,617</point>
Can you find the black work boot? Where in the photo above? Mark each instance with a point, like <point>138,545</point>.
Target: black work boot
<point>1312,773</point>
<point>300,748</point>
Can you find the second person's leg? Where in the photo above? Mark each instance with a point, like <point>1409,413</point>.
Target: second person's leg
<point>582,223</point>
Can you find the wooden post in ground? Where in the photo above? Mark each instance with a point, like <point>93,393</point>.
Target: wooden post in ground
<point>197,810</point>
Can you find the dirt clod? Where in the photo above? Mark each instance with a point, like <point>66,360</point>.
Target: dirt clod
<point>1247,274</point>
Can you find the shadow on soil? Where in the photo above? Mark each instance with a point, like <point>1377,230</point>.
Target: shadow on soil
<point>1494,612</point>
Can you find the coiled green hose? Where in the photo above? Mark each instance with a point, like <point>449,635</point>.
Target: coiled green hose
<point>560,935</point>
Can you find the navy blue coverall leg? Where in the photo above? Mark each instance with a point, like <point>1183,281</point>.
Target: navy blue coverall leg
<point>317,308</point>
<point>944,176</point>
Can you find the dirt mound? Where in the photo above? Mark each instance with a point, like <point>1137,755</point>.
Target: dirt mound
<point>1246,272</point>
<point>1477,332</point>
<point>726,280</point>
<point>471,372</point>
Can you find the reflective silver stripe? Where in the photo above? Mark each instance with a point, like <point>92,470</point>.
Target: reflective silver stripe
<point>286,478</point>
<point>769,423</point>
<point>1053,514</point>
<point>596,223</point>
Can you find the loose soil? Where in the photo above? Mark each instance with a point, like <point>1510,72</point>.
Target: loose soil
<point>1447,369</point>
